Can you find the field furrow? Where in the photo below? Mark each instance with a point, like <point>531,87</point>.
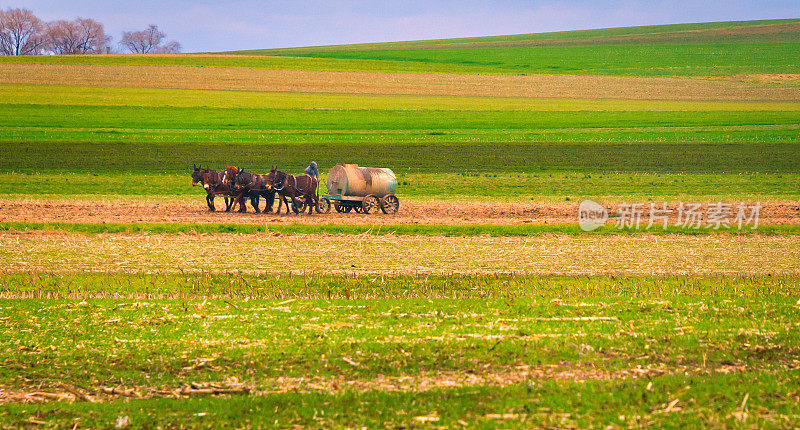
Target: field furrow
<point>211,78</point>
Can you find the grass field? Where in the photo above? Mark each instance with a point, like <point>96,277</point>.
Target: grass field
<point>648,51</point>
<point>481,303</point>
<point>660,350</point>
<point>145,138</point>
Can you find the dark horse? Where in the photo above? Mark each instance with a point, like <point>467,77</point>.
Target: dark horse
<point>293,187</point>
<point>211,180</point>
<point>245,184</point>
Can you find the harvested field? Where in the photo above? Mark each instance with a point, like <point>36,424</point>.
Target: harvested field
<point>395,83</point>
<point>411,211</point>
<point>124,303</point>
<point>95,361</point>
<point>47,251</point>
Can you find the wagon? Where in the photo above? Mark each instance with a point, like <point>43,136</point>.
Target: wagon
<point>360,189</point>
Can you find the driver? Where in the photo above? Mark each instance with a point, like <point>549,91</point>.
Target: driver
<point>312,171</point>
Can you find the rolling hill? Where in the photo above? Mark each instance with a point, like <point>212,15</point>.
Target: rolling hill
<point>705,49</point>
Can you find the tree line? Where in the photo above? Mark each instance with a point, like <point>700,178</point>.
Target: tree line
<point>23,33</point>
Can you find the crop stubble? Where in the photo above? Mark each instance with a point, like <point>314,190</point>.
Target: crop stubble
<point>316,254</point>
<point>395,83</point>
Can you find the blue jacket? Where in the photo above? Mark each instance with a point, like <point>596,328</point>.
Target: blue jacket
<point>311,170</point>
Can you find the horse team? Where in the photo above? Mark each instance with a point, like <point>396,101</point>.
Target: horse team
<point>236,185</point>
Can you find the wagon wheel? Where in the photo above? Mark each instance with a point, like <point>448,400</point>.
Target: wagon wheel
<point>300,206</point>
<point>341,208</point>
<point>323,205</point>
<point>371,204</point>
<point>390,204</point>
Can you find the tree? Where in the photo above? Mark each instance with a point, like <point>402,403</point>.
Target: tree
<point>173,47</point>
<point>93,37</point>
<point>148,41</point>
<point>21,33</point>
<point>81,36</point>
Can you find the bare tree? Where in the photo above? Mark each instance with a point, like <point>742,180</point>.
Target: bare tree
<point>148,41</point>
<point>62,37</point>
<point>81,36</point>
<point>21,33</point>
<point>93,37</point>
<point>5,36</point>
<point>173,47</point>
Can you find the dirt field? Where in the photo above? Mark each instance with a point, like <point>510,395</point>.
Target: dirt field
<point>411,212</point>
<point>607,87</point>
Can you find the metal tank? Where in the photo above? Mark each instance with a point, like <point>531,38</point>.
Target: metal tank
<point>365,189</point>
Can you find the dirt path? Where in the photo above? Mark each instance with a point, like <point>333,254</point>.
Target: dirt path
<point>411,212</point>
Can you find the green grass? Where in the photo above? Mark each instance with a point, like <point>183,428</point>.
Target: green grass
<point>624,60</point>
<point>464,159</point>
<point>668,50</point>
<point>42,285</point>
<point>131,117</point>
<point>139,140</point>
<point>753,134</point>
<point>561,186</point>
<point>714,400</point>
<point>14,94</point>
<point>388,229</point>
<point>464,146</point>
<point>341,334</point>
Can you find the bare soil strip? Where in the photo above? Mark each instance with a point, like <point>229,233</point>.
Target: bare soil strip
<point>321,254</point>
<point>608,87</point>
<point>425,381</point>
<point>411,212</point>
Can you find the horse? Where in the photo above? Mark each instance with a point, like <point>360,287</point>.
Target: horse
<point>251,185</point>
<point>293,187</point>
<point>211,180</point>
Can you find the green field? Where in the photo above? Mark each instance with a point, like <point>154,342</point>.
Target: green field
<point>393,230</point>
<point>552,148</point>
<point>638,344</point>
<point>680,50</point>
<point>124,304</point>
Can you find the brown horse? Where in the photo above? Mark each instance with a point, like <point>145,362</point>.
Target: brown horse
<point>293,187</point>
<point>211,180</point>
<point>244,184</point>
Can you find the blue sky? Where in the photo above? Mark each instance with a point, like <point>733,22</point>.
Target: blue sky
<point>204,25</point>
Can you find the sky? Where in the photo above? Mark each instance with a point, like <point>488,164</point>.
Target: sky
<point>207,26</point>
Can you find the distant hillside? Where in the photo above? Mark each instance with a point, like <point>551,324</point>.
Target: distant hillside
<point>705,49</point>
<point>779,30</point>
<point>770,49</point>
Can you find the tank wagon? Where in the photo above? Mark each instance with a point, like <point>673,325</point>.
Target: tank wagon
<point>360,189</point>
